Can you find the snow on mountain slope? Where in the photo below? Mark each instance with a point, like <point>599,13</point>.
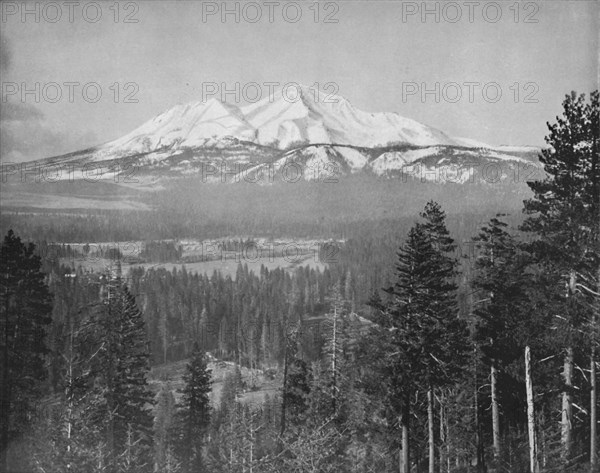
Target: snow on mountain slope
<point>517,149</point>
<point>183,126</point>
<point>503,156</point>
<point>450,164</point>
<point>469,143</point>
<point>397,160</point>
<point>354,158</point>
<point>309,115</point>
<point>292,116</point>
<point>322,133</point>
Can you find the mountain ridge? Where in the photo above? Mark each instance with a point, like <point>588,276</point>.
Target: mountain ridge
<point>318,132</point>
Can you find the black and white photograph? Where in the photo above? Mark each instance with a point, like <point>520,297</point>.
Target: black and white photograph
<point>304,236</point>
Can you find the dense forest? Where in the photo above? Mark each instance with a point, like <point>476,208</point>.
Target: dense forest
<point>436,341</point>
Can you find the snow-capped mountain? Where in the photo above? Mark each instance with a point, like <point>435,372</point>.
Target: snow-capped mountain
<point>195,124</point>
<point>306,126</point>
<point>283,119</point>
<point>315,117</point>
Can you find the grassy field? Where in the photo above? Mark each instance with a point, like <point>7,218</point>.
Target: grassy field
<point>227,267</point>
<point>286,253</point>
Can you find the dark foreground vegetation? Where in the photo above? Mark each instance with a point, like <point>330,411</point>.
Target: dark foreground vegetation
<point>407,353</point>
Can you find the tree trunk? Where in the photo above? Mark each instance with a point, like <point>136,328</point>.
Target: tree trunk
<point>404,422</point>
<point>110,391</point>
<point>567,406</point>
<point>543,444</point>
<point>444,446</point>
<point>69,398</point>
<point>594,393</point>
<point>495,411</point>
<point>251,447</point>
<point>478,427</point>
<point>334,361</point>
<point>534,466</point>
<point>284,393</point>
<point>430,422</point>
<point>5,391</point>
<point>593,412</point>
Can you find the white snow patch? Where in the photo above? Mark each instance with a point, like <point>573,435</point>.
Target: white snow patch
<point>355,159</point>
<point>396,160</point>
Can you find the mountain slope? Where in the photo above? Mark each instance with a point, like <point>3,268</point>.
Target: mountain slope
<point>315,117</point>
<point>184,126</point>
<point>282,120</point>
<point>322,136</point>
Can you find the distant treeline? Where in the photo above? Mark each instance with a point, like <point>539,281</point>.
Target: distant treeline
<point>193,209</point>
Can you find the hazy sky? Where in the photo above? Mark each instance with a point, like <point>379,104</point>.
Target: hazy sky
<point>372,54</point>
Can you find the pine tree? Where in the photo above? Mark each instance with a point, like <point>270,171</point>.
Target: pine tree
<point>54,450</point>
<point>297,389</point>
<point>310,450</point>
<point>25,305</point>
<point>564,213</point>
<point>500,286</point>
<point>232,387</point>
<point>119,400</point>
<point>193,415</point>
<point>132,390</point>
<point>428,341</point>
<point>290,351</point>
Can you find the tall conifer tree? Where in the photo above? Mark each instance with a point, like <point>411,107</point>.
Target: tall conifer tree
<point>428,341</point>
<point>193,416</point>
<point>564,213</point>
<point>25,307</point>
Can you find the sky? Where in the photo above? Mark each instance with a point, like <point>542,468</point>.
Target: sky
<point>147,56</point>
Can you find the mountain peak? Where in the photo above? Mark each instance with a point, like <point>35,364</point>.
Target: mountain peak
<point>295,114</point>
<point>214,107</point>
